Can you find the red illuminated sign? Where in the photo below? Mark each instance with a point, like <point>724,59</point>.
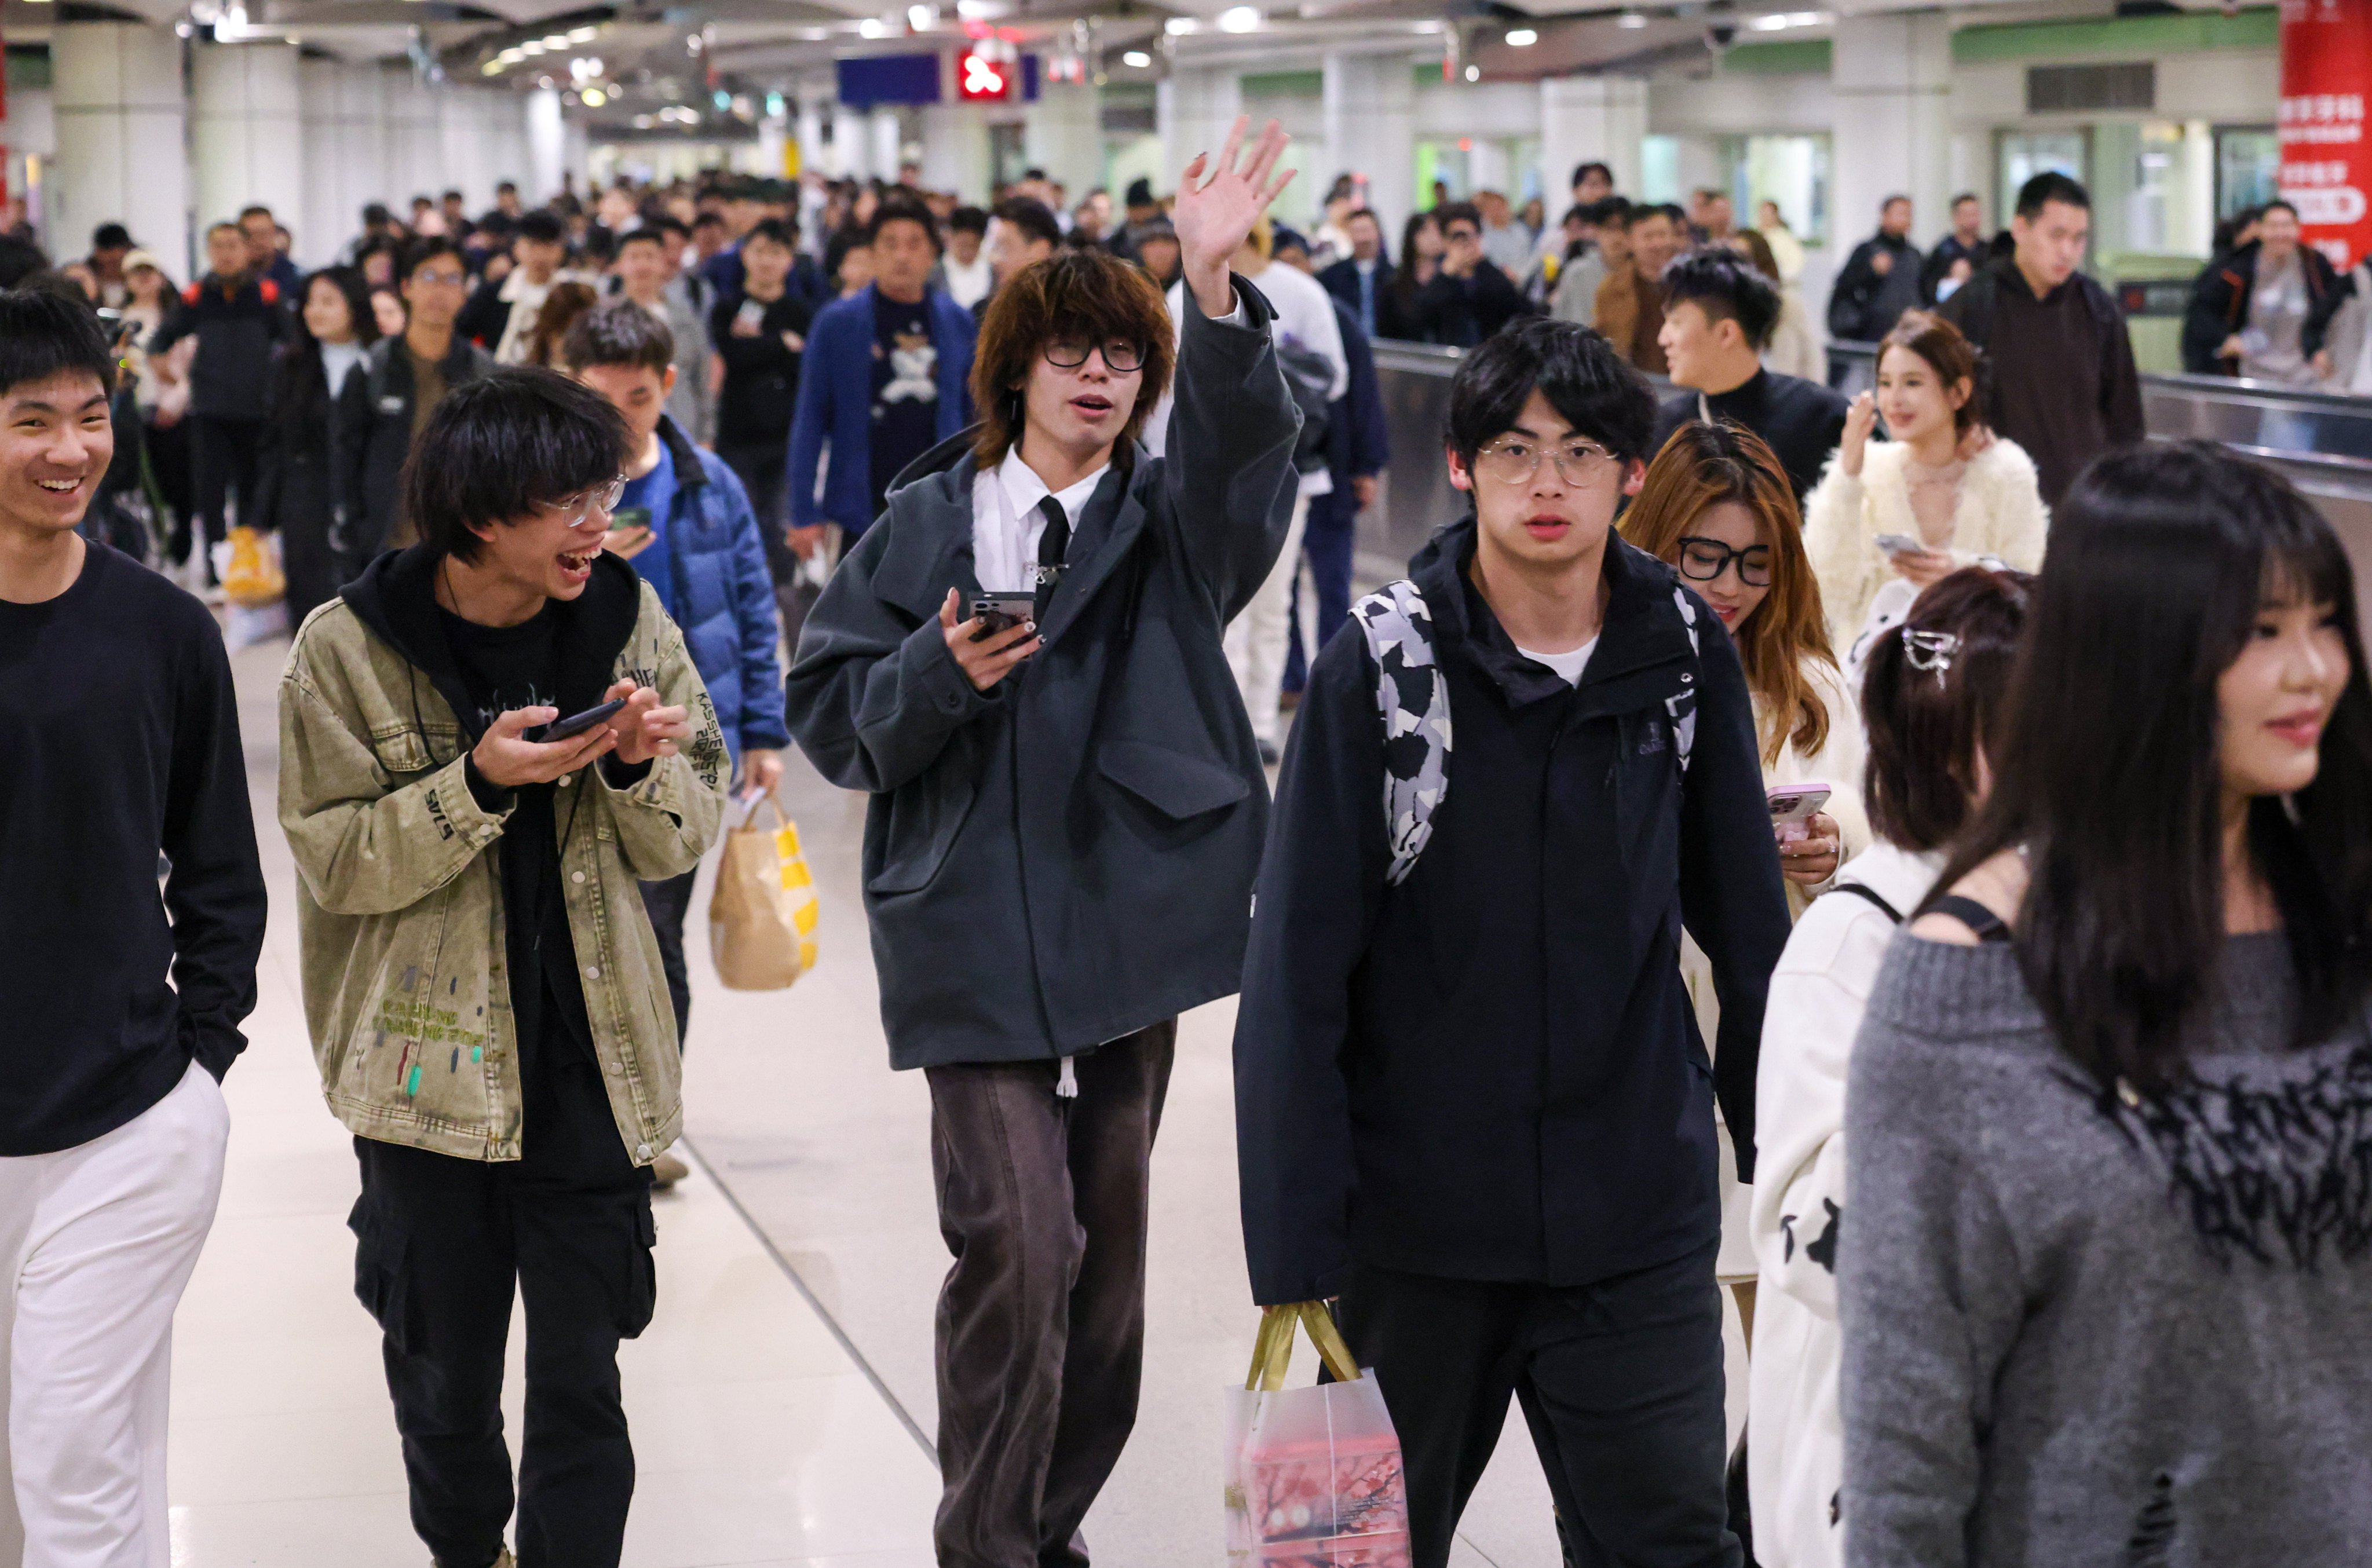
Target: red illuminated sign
<point>981,78</point>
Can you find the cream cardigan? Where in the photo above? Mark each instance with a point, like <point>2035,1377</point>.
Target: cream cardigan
<point>2001,514</point>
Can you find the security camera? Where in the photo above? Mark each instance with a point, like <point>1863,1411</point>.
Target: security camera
<point>1721,35</point>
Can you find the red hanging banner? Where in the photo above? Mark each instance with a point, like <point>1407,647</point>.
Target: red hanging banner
<point>2326,163</point>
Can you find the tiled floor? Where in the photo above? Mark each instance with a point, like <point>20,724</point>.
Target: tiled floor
<point>780,1398</point>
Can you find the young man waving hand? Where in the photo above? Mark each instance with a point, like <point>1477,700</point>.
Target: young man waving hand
<point>1065,817</point>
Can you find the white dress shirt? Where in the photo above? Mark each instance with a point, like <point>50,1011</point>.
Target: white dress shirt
<point>1305,316</point>
<point>1005,536</point>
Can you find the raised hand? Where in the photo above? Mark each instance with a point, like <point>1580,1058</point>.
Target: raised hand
<point>1217,205</point>
<point>1861,419</point>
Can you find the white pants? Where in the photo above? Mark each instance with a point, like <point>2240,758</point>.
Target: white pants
<point>1256,639</point>
<point>99,1241</point>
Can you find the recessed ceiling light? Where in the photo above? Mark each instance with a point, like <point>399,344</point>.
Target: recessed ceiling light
<point>1474,72</point>
<point>583,35</point>
<point>595,98</point>
<point>1522,37</point>
<point>871,27</point>
<point>1630,19</point>
<point>1137,59</point>
<point>921,18</point>
<point>1239,18</point>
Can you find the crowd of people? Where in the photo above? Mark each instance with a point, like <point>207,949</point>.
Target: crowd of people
<point>1808,843</point>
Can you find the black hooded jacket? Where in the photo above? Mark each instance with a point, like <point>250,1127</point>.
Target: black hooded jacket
<point>1492,1071</point>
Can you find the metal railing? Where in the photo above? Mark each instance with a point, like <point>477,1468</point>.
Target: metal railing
<point>2321,441</point>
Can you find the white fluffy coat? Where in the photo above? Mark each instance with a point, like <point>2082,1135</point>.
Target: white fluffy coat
<point>2001,514</point>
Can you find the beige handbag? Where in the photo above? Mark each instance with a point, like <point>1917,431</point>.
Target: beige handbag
<point>761,917</point>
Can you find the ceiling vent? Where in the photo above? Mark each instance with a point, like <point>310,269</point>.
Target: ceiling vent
<point>2065,89</point>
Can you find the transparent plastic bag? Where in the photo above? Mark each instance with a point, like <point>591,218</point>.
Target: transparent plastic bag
<point>1313,1475</point>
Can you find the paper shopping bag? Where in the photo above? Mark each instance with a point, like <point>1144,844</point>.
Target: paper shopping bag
<point>761,918</point>
<point>1313,1475</point>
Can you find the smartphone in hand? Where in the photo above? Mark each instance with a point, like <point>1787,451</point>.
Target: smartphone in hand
<point>1000,612</point>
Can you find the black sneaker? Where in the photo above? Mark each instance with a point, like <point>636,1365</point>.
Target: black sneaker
<point>1268,754</point>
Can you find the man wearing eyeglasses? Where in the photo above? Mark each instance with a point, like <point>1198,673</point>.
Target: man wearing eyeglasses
<point>1067,808</point>
<point>487,1003</point>
<point>382,411</point>
<point>1471,1101</point>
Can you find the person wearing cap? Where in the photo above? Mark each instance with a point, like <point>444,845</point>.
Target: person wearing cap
<point>1157,252</point>
<point>1138,209</point>
<point>109,246</point>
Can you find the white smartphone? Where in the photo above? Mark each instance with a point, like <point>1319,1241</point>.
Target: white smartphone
<point>1898,544</point>
<point>1793,808</point>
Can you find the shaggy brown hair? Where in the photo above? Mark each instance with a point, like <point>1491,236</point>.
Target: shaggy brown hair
<point>1086,295</point>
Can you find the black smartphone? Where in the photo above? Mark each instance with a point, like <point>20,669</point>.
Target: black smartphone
<point>1001,612</point>
<point>561,729</point>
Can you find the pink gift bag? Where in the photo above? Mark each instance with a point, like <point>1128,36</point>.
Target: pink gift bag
<point>1313,1475</point>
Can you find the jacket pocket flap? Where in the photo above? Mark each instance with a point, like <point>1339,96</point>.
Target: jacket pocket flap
<point>403,751</point>
<point>1170,782</point>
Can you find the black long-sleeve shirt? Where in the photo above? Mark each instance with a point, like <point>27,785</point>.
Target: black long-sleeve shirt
<point>237,322</point>
<point>1801,422</point>
<point>124,742</point>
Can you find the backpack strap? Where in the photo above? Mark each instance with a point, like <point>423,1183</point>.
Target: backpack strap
<point>1682,710</point>
<point>1413,703</point>
<point>1857,890</point>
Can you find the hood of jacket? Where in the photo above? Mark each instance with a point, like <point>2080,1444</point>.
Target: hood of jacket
<point>395,598</point>
<point>1647,622</point>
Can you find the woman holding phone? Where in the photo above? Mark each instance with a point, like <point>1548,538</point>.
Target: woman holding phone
<point>1717,506</point>
<point>1941,493</point>
<point>2109,1118</point>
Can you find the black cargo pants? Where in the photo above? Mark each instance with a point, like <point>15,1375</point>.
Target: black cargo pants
<point>440,1244</point>
<point>1042,1200</point>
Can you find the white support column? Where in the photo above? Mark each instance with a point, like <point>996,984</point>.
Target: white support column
<point>849,155</point>
<point>886,137</point>
<point>1590,119</point>
<point>955,150</point>
<point>244,123</point>
<point>1063,134</point>
<point>1370,117</point>
<point>808,130</point>
<point>327,111</point>
<point>414,142</point>
<point>547,147</point>
<point>1193,109</point>
<point>117,89</point>
<point>1891,76</point>
<point>462,149</point>
<point>365,154</point>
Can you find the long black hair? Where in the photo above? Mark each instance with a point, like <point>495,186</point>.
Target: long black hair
<point>2107,769</point>
<point>297,373</point>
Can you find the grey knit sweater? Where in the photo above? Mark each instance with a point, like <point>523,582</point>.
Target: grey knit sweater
<point>2096,1332</point>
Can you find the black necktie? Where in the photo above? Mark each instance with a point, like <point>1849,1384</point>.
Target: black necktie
<point>1054,544</point>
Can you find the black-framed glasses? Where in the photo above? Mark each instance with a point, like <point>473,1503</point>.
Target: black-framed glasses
<point>1702,560</point>
<point>1121,356</point>
<point>1514,462</point>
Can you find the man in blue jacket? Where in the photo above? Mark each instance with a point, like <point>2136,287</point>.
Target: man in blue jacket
<point>686,524</point>
<point>1470,1098</point>
<point>883,380</point>
<point>1066,810</point>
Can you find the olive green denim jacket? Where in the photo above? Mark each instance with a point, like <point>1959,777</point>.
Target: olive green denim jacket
<point>399,905</point>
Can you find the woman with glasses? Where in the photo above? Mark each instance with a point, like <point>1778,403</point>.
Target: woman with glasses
<point>1717,506</point>
<point>2109,1122</point>
<point>1891,518</point>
